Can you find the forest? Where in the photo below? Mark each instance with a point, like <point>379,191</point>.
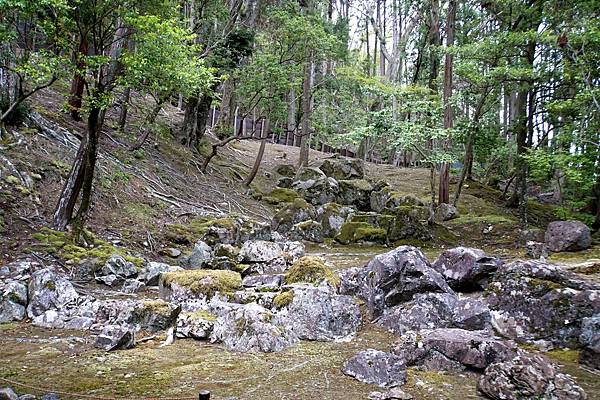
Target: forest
<point>382,199</point>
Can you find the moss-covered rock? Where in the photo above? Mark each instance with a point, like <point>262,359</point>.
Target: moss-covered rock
<point>356,192</point>
<point>284,195</point>
<point>356,232</point>
<point>409,223</point>
<point>386,199</point>
<point>309,173</point>
<point>198,283</point>
<point>292,214</point>
<point>283,299</point>
<point>311,269</point>
<point>287,170</point>
<point>332,216</point>
<point>320,191</point>
<point>229,230</point>
<point>311,231</point>
<point>343,168</point>
<point>155,315</point>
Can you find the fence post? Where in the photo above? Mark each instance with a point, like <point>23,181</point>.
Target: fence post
<point>204,395</point>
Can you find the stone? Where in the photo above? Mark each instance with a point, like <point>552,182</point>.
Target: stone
<point>377,368</point>
<point>13,301</point>
<point>309,173</point>
<point>195,325</point>
<point>409,222</point>
<point>528,376</point>
<point>117,265</point>
<point>590,340</point>
<point>263,282</point>
<point>48,291</point>
<point>200,256</point>
<point>291,214</point>
<point>151,272</point>
<point>311,231</point>
<point>86,270</point>
<point>154,315</point>
<point>332,216</point>
<point>361,232</point>
<point>264,299</point>
<point>567,236</point>
<point>385,199</point>
<point>531,300</point>
<point>115,337</point>
<point>396,276</point>
<point>343,168</point>
<point>446,212</point>
<point>252,328</point>
<point>110,280</point>
<point>285,182</point>
<point>180,286</point>
<point>287,170</point>
<point>132,286</point>
<point>226,250</point>
<point>259,251</point>
<point>317,313</point>
<point>170,252</point>
<point>452,348</point>
<point>351,281</point>
<point>355,192</point>
<point>436,310</point>
<point>8,394</point>
<point>397,394</point>
<point>319,191</point>
<point>536,249</point>
<point>465,268</point>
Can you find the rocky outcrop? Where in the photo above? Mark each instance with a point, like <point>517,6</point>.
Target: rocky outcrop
<point>356,192</point>
<point>532,300</point>
<point>465,268</point>
<point>13,301</point>
<point>377,368</point>
<point>528,376</point>
<point>590,340</point>
<point>311,231</point>
<point>114,337</point>
<point>343,168</point>
<point>195,325</point>
<point>49,291</point>
<point>292,214</point>
<point>252,328</point>
<point>567,236</point>
<point>453,349</point>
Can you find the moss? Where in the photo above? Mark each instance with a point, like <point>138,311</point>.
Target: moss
<point>270,200</point>
<point>191,232</point>
<point>360,184</point>
<point>201,314</point>
<point>50,285</point>
<point>352,232</point>
<point>311,269</point>
<point>283,299</point>
<point>206,282</point>
<point>564,356</point>
<point>544,284</point>
<point>283,195</point>
<point>11,179</point>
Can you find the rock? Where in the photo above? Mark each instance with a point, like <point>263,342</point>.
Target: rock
<point>285,182</point>
<point>567,236</point>
<point>291,214</point>
<point>446,212</point>
<point>252,328</point>
<point>170,252</point>
<point>317,313</point>
<point>50,396</point>
<point>436,310</point>
<point>198,284</point>
<point>114,337</point>
<point>13,301</point>
<point>86,270</point>
<point>319,191</point>
<point>154,315</point>
<point>310,231</point>
<point>8,394</point>
<point>359,232</point>
<point>109,280</point>
<point>311,269</point>
<point>376,367</point>
<point>396,276</point>
<point>465,268</point>
<point>309,173</point>
<point>355,192</point>
<point>151,272</point>
<point>47,291</point>
<point>409,222</point>
<point>224,263</point>
<point>536,249</point>
<point>227,250</point>
<point>332,216</point>
<point>200,256</point>
<point>259,251</point>
<point>351,281</point>
<point>590,340</point>
<point>132,286</point>
<point>531,300</point>
<point>385,199</point>
<point>528,376</point>
<point>195,325</point>
<point>397,394</point>
<point>263,282</point>
<point>288,170</point>
<point>117,265</point>
<point>264,299</point>
<point>27,397</point>
<point>343,168</point>
<point>451,348</point>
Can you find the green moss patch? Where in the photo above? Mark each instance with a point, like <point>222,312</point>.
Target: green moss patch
<point>205,282</point>
<point>284,195</point>
<point>190,233</point>
<point>311,269</point>
<point>283,299</point>
<point>354,232</point>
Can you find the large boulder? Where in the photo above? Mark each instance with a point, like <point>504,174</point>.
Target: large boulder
<point>309,173</point>
<point>49,291</point>
<point>343,168</point>
<point>465,268</point>
<point>200,257</point>
<point>361,232</point>
<point>528,376</point>
<point>117,265</point>
<point>531,300</point>
<point>396,276</point>
<point>409,222</point>
<point>377,368</point>
<point>262,257</point>
<point>291,214</point>
<point>385,199</point>
<point>311,231</point>
<point>451,349</point>
<point>317,313</point>
<point>154,315</point>
<point>198,284</point>
<point>13,301</point>
<point>446,212</point>
<point>252,328</point>
<point>319,191</point>
<point>567,236</point>
<point>151,272</point>
<point>332,216</point>
<point>590,340</point>
<point>356,192</point>
<point>114,337</point>
<point>195,325</point>
<point>437,310</point>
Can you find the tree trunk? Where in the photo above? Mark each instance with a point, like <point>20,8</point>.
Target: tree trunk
<point>147,129</point>
<point>305,134</point>
<point>78,82</point>
<point>197,111</point>
<point>261,152</point>
<point>124,108</point>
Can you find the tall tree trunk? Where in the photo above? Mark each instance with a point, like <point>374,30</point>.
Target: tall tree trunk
<point>305,134</point>
<point>78,82</point>
<point>124,108</point>
<point>260,154</point>
<point>444,190</point>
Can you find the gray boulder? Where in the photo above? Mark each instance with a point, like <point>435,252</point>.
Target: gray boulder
<point>528,376</point>
<point>8,394</point>
<point>291,214</point>
<point>311,231</point>
<point>200,256</point>
<point>567,236</point>
<point>252,328</point>
<point>259,251</point>
<point>377,368</point>
<point>132,286</point>
<point>332,216</point>
<point>590,340</point>
<point>319,191</point>
<point>309,173</point>
<point>446,212</point>
<point>465,268</point>
<point>86,270</point>
<point>317,313</point>
<point>13,301</point>
<point>117,265</point>
<point>343,168</point>
<point>49,291</point>
<point>151,272</point>
<point>263,282</point>
<point>356,192</point>
<point>115,337</point>
<point>195,325</point>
